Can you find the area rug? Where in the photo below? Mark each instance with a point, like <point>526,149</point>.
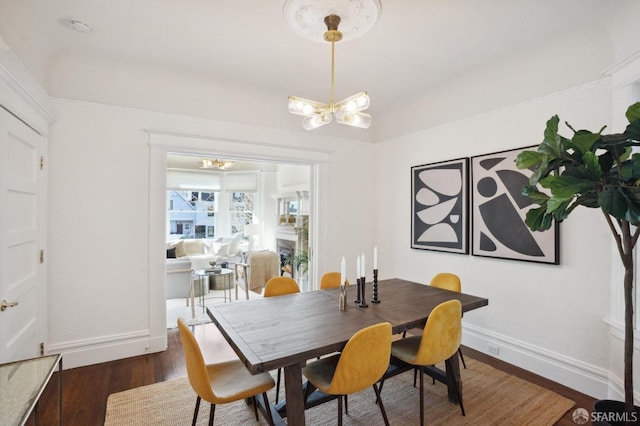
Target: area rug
<point>178,308</point>
<point>491,397</point>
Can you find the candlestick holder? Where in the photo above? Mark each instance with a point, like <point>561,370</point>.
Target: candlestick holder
<point>358,299</point>
<point>363,301</point>
<point>343,298</point>
<point>375,299</point>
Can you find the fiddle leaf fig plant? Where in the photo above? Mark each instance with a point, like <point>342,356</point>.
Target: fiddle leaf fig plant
<point>598,171</point>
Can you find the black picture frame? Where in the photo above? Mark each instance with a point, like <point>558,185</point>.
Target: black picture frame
<point>498,211</point>
<point>440,206</point>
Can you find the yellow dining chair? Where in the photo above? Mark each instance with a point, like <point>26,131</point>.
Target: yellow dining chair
<point>448,281</point>
<point>439,341</point>
<point>222,382</point>
<point>280,286</point>
<point>330,280</point>
<point>361,364</point>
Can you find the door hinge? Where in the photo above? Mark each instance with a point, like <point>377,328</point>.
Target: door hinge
<point>41,348</point>
<point>42,163</point>
<point>41,256</point>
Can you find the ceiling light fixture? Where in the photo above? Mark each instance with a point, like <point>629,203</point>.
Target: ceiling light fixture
<point>359,16</point>
<point>220,164</point>
<point>346,111</point>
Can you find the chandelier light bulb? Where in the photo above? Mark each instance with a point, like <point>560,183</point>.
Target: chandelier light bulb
<point>307,109</point>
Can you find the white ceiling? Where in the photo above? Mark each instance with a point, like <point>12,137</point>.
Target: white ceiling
<point>414,48</point>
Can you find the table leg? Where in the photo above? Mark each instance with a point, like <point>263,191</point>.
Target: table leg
<point>227,285</point>
<point>202,291</point>
<point>294,395</point>
<point>60,392</point>
<point>192,297</point>
<point>453,376</point>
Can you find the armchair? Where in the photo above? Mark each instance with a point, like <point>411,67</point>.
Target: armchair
<point>260,267</point>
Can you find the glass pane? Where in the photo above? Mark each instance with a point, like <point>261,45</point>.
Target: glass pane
<point>21,384</point>
<point>192,214</point>
<point>242,204</point>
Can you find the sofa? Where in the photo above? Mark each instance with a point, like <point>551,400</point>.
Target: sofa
<point>186,256</point>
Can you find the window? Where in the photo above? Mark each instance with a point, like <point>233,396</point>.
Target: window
<point>192,214</point>
<point>242,205</point>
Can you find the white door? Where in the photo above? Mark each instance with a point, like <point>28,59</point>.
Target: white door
<point>22,273</point>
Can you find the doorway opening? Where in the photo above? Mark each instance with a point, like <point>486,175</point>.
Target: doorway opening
<point>222,213</point>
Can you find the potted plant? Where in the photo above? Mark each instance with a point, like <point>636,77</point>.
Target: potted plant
<point>597,171</point>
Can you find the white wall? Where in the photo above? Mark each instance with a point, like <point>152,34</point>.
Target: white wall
<point>546,318</point>
<point>107,259</point>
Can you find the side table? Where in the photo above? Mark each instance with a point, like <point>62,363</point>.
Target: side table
<point>22,384</point>
<point>222,272</point>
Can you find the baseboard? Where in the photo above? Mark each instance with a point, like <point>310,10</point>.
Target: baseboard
<point>573,373</point>
<point>80,353</point>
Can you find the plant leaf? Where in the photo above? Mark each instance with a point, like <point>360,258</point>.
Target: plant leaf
<point>584,140</point>
<point>536,221</point>
<point>534,195</point>
<point>557,203</point>
<point>592,166</point>
<point>551,143</point>
<point>633,112</point>
<point>527,159</point>
<point>633,131</point>
<point>613,201</point>
<point>562,210</point>
<point>565,186</point>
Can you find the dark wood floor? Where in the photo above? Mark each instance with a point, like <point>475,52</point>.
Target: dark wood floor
<point>85,389</point>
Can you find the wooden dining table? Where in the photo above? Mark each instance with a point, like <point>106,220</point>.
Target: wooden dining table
<point>286,331</point>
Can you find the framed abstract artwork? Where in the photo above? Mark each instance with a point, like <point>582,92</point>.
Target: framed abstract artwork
<point>498,210</point>
<point>439,206</point>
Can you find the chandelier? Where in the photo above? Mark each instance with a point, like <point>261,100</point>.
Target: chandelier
<point>358,16</point>
<point>220,164</point>
<point>346,111</point>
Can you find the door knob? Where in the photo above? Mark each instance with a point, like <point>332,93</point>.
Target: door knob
<point>4,305</point>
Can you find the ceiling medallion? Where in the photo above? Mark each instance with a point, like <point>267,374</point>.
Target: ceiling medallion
<point>306,17</point>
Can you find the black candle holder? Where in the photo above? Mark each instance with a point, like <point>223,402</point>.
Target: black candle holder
<point>358,299</point>
<point>363,302</point>
<point>375,299</point>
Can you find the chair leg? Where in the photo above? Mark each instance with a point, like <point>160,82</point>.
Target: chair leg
<point>212,414</point>
<point>457,389</point>
<point>346,405</point>
<point>267,408</point>
<point>255,406</point>
<point>421,397</point>
<point>195,412</point>
<point>340,410</point>
<point>278,384</point>
<point>464,364</point>
<point>382,410</point>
